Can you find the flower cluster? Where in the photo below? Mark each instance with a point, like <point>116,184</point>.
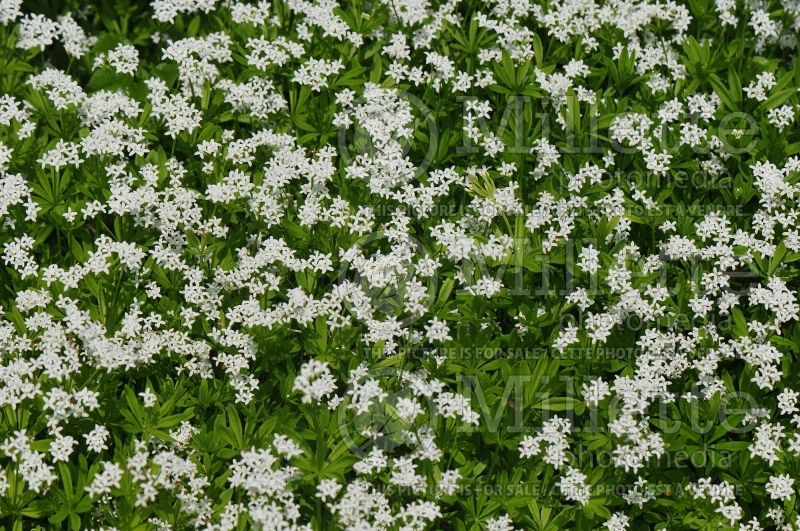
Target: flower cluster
<point>416,264</point>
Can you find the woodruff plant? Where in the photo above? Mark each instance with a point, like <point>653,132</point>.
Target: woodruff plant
<point>399,265</point>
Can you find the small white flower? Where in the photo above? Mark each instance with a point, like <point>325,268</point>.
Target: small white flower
<point>96,439</point>
<point>780,487</point>
<point>148,397</point>
<point>327,489</point>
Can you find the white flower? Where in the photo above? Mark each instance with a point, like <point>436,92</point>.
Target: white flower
<point>62,447</point>
<point>315,72</point>
<point>781,117</point>
<point>617,522</point>
<point>36,31</point>
<point>595,391</point>
<point>780,487</point>
<point>327,489</point>
<point>408,409</point>
<point>767,442</point>
<point>731,512</point>
<point>787,401</point>
<point>448,484</point>
<point>437,330</point>
<point>9,11</point>
<point>148,397</point>
<point>315,381</point>
<point>552,440</point>
<point>178,113</point>
<point>573,486</point>
<point>500,523</point>
<point>589,259</point>
<point>124,58</point>
<point>5,157</point>
<point>286,447</point>
<point>759,88</point>
<point>61,155</point>
<point>375,461</point>
<point>96,439</point>
<point>104,481</point>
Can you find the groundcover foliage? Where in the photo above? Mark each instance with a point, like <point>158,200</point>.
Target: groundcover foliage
<point>318,264</point>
